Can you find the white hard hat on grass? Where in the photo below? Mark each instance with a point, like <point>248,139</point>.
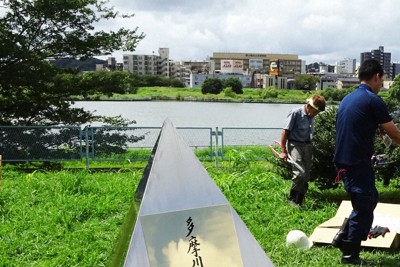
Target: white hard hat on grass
<point>298,239</point>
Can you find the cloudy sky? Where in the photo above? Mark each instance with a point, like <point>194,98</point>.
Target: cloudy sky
<point>316,30</point>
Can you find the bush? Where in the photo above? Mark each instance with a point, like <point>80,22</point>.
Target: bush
<point>269,93</point>
<point>335,94</point>
<point>175,82</point>
<point>212,86</point>
<point>323,171</point>
<point>235,84</point>
<point>388,166</point>
<point>228,92</point>
<point>149,80</point>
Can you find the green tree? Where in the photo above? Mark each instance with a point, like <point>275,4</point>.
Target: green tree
<point>175,82</point>
<point>235,84</point>
<point>335,94</point>
<point>305,82</point>
<point>394,92</point>
<point>389,155</point>
<point>106,82</point>
<point>158,80</point>
<point>212,86</point>
<point>33,33</point>
<point>323,171</point>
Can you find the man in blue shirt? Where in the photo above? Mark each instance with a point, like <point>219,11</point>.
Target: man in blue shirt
<point>359,115</point>
<point>296,143</point>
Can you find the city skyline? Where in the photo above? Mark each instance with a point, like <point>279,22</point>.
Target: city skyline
<point>316,30</point>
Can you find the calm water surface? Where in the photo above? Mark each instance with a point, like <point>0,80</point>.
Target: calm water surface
<point>194,114</point>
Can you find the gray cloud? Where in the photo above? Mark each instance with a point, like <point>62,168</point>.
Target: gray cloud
<point>316,30</point>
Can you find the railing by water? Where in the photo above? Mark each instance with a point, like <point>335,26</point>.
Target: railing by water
<point>73,143</point>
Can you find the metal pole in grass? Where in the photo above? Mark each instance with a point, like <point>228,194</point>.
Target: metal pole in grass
<point>87,147</point>
<point>216,147</point>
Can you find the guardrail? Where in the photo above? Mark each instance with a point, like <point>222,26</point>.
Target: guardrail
<point>73,143</point>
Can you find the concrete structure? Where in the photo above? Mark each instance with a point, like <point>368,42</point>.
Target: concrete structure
<point>383,57</point>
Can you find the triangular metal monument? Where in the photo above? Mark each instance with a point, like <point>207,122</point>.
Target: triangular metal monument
<point>184,219</point>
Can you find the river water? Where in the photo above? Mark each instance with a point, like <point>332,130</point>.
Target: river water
<point>193,114</point>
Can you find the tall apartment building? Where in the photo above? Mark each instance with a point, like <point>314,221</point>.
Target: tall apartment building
<point>346,66</point>
<point>383,57</point>
<point>395,69</point>
<point>150,64</point>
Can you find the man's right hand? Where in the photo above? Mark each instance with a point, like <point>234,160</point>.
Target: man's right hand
<point>283,156</point>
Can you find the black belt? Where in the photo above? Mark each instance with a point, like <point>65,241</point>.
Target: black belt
<point>301,142</point>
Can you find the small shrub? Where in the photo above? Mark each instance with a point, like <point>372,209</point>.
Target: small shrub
<point>235,84</point>
<point>212,86</point>
<point>228,92</point>
<point>269,93</point>
<point>239,159</point>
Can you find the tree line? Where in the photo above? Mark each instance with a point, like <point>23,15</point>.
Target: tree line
<point>35,33</point>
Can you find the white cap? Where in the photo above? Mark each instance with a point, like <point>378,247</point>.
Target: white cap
<point>298,239</point>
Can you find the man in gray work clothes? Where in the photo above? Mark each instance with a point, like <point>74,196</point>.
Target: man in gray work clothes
<point>296,145</point>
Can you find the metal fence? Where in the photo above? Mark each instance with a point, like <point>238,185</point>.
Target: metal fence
<point>50,143</point>
<point>40,143</point>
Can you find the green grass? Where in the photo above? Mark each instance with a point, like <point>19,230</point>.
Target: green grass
<point>69,218</point>
<point>62,218</point>
<point>259,196</point>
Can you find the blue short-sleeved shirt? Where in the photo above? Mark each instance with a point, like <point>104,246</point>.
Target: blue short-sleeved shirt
<point>359,115</point>
<point>299,125</point>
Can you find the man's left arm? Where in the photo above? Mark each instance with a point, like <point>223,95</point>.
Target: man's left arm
<point>392,131</point>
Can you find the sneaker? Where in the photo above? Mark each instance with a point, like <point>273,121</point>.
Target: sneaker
<point>353,260</point>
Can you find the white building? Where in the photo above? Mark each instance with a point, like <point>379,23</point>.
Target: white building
<point>345,66</point>
<point>150,64</point>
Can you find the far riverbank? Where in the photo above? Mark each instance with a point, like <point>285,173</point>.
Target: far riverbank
<point>250,95</point>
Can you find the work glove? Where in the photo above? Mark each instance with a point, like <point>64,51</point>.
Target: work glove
<point>377,231</point>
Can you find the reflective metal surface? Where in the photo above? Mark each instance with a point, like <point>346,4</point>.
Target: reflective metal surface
<point>183,210</point>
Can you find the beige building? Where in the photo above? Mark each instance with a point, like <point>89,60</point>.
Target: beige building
<point>247,63</point>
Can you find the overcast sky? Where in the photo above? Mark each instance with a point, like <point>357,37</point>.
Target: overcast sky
<point>316,30</point>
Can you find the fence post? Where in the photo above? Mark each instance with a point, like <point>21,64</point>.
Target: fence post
<point>87,146</point>
<point>217,134</point>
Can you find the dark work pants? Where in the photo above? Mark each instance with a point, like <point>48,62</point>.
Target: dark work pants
<point>359,182</point>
